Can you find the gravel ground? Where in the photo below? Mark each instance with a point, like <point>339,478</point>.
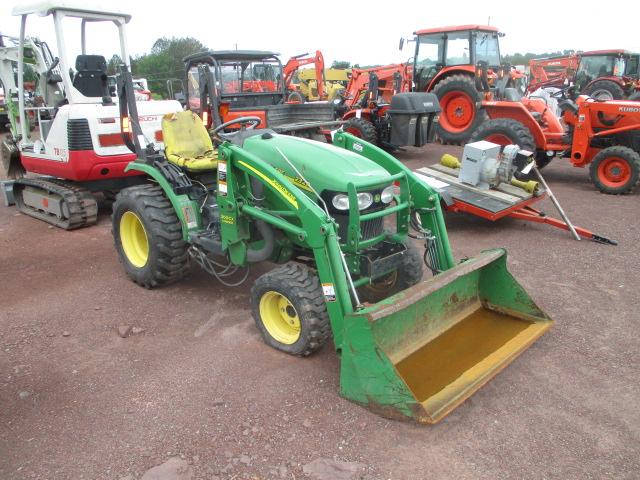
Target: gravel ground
<point>195,381</point>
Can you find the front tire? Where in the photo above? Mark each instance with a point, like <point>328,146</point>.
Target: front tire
<point>460,116</point>
<point>148,236</point>
<point>615,170</point>
<point>361,128</point>
<point>289,309</point>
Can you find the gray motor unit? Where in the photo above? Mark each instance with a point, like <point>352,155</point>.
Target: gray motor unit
<point>413,117</point>
<point>485,165</point>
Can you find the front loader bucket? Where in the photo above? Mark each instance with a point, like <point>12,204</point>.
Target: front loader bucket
<point>423,351</point>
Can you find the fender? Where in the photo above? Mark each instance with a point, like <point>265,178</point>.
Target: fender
<point>187,210</point>
<point>448,71</point>
<point>364,113</point>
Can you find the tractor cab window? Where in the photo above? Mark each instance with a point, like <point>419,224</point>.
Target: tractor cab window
<point>457,48</point>
<point>632,68</point>
<point>487,49</point>
<point>594,66</point>
<point>430,50</point>
<point>238,77</point>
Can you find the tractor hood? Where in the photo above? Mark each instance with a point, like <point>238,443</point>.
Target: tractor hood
<point>323,165</point>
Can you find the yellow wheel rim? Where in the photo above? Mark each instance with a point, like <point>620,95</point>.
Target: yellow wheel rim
<point>280,318</point>
<point>134,239</point>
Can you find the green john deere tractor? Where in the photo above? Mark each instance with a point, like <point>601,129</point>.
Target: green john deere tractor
<point>340,222</point>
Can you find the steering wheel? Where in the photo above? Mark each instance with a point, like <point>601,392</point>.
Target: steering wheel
<point>253,122</point>
<point>562,93</point>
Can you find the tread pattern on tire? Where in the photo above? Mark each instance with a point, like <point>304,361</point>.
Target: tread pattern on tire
<point>516,131</point>
<point>616,90</point>
<point>367,130</point>
<point>467,83</point>
<point>170,261</point>
<point>302,286</point>
<point>628,154</point>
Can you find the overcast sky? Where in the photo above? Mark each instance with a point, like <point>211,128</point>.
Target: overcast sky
<point>363,32</point>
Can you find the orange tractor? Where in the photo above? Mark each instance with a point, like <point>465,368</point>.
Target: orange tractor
<point>364,104</point>
<point>601,74</point>
<point>603,135</point>
<point>444,63</point>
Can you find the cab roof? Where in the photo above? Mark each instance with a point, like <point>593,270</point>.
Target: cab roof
<point>44,9</point>
<point>246,55</point>
<point>607,52</point>
<point>457,28</point>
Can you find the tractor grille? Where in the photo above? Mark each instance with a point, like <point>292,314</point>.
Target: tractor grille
<point>368,228</point>
<point>79,135</point>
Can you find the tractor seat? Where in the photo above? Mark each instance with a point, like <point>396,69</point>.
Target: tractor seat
<point>187,143</point>
<point>91,76</point>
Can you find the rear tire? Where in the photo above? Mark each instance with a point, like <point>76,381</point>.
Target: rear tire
<point>148,236</point>
<point>458,98</point>
<point>634,97</point>
<point>604,90</point>
<point>505,131</point>
<point>615,170</point>
<point>361,128</point>
<point>289,309</point>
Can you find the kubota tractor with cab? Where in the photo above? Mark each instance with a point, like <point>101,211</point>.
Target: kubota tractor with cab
<point>602,134</point>
<point>78,149</point>
<point>601,74</point>
<point>321,213</point>
<point>224,85</point>
<point>444,63</point>
<point>608,74</point>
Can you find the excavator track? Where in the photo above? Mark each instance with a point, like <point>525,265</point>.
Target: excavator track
<point>57,202</point>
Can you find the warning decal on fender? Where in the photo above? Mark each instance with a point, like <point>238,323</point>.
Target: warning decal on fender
<point>329,292</point>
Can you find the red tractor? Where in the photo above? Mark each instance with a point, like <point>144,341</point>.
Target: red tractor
<point>601,74</point>
<point>444,63</point>
<point>364,103</point>
<point>603,135</point>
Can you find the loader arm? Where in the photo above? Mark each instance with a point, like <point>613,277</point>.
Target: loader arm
<point>422,199</point>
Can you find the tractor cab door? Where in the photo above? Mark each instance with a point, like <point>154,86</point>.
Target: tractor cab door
<point>428,60</point>
<point>632,67</point>
<point>593,67</point>
<point>486,48</point>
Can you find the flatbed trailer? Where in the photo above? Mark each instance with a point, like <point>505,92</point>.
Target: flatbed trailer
<point>494,204</point>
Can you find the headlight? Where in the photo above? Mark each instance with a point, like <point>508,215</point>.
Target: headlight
<point>365,199</point>
<point>341,201</point>
<point>387,194</point>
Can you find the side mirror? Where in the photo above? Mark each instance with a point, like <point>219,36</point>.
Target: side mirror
<point>401,45</point>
